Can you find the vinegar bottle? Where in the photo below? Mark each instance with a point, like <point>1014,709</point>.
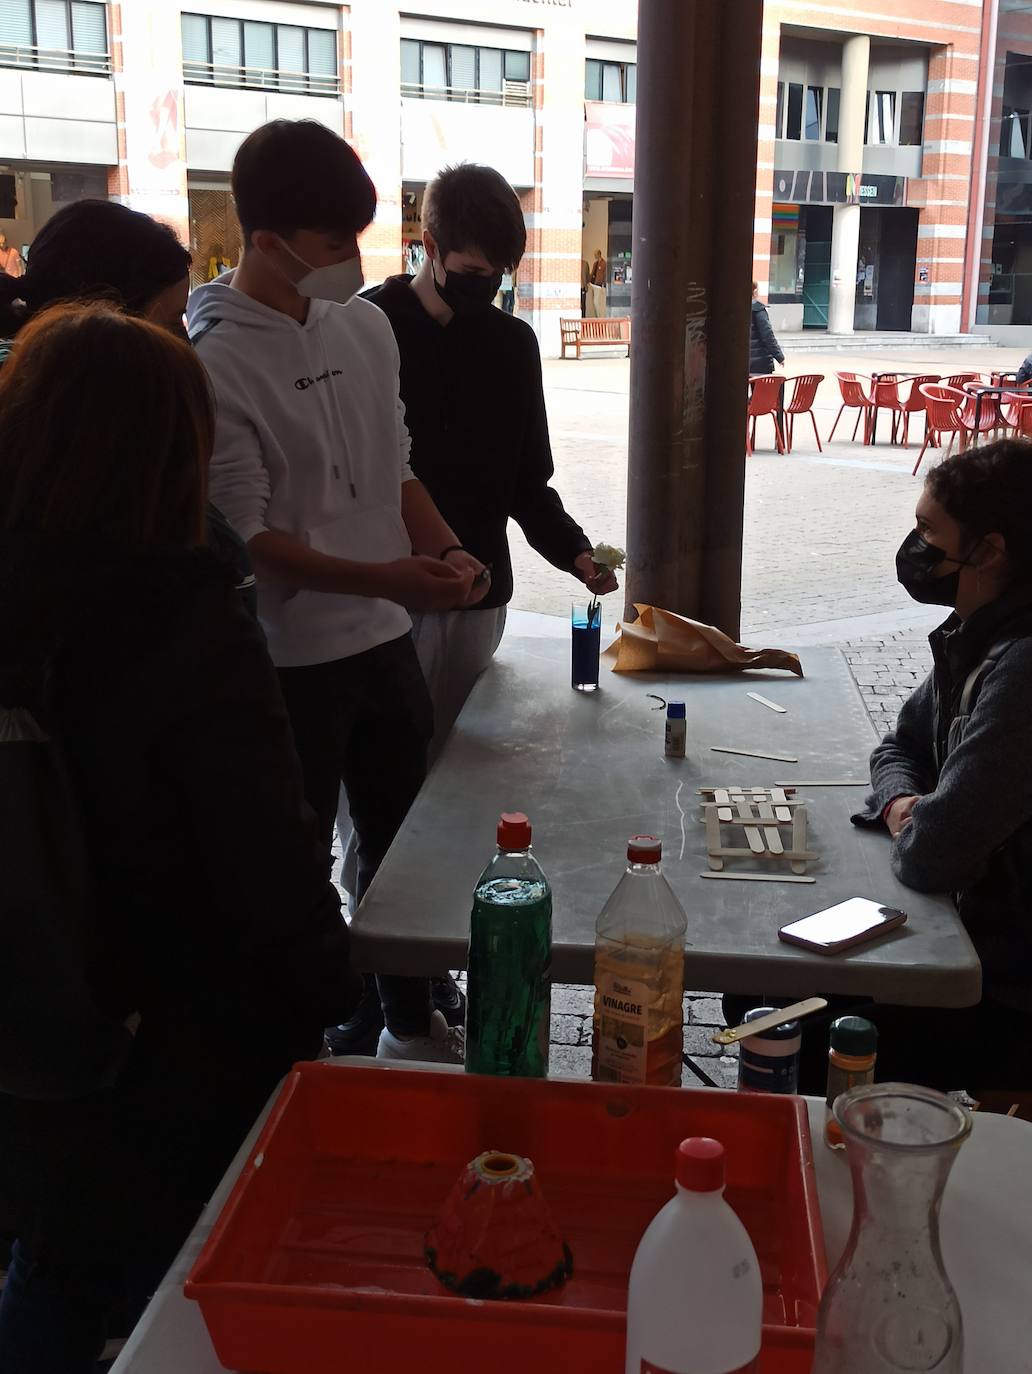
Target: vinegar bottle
<point>639,976</point>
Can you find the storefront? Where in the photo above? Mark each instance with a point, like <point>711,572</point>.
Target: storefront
<point>30,194</point>
<point>607,227</point>
<point>800,250</point>
<point>215,238</point>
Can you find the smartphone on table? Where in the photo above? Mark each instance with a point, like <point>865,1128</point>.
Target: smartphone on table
<point>850,923</point>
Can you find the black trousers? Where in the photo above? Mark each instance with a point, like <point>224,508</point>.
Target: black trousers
<point>366,721</point>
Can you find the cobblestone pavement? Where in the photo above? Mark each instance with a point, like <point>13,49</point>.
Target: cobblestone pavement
<point>821,532</point>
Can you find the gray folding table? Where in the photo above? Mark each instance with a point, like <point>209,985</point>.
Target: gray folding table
<point>589,770</point>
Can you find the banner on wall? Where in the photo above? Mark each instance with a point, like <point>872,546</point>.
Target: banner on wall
<point>152,91</point>
<point>839,188</point>
<point>436,133</point>
<point>608,139</point>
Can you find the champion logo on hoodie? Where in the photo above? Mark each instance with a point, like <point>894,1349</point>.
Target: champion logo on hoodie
<point>303,383</point>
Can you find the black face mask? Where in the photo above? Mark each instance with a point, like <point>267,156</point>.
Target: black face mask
<point>466,292</point>
<point>916,564</point>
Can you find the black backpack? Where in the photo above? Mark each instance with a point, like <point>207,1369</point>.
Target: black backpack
<point>55,1042</point>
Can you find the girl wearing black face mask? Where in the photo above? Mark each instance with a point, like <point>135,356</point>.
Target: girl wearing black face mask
<point>951,783</point>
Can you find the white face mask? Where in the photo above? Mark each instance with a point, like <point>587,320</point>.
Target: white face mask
<point>339,282</point>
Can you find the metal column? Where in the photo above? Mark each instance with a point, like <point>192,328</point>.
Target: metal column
<point>694,189</point>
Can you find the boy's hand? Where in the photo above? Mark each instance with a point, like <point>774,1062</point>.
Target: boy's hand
<point>598,579</point>
<point>426,584</point>
<point>464,562</point>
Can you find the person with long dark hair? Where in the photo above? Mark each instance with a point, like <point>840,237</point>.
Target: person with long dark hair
<point>100,250</point>
<point>208,894</point>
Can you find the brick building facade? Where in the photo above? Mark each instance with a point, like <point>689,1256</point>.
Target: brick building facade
<point>879,174</point>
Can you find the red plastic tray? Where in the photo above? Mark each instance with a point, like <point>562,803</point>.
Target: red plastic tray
<point>316,1265</point>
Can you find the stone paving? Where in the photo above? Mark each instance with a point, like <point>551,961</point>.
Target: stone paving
<point>821,532</point>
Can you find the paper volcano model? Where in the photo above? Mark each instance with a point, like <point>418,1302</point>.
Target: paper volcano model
<point>495,1237</point>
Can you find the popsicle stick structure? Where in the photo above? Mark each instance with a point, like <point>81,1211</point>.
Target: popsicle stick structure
<point>767,818</point>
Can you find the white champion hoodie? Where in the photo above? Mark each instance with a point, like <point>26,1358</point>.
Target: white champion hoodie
<point>310,440</point>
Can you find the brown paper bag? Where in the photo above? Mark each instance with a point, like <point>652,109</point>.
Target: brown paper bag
<point>662,642</point>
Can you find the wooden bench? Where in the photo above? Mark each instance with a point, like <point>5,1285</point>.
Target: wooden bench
<point>614,332</point>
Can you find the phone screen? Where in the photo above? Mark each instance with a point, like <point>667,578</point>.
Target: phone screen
<point>842,922</point>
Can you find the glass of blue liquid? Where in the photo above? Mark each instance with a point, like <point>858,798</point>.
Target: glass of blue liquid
<point>586,630</point>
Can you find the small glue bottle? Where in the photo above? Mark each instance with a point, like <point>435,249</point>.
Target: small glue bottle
<point>676,730</point>
<point>854,1048</point>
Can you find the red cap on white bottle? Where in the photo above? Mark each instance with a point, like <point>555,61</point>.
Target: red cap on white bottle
<point>699,1164</point>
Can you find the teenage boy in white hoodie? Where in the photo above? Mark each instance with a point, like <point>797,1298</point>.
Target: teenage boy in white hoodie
<point>311,467</point>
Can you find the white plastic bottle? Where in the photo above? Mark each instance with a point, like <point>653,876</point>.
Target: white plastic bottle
<point>695,1304</point>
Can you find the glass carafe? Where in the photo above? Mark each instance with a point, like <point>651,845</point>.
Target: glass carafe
<point>889,1304</point>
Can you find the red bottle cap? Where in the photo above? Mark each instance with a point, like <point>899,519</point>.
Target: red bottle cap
<point>644,849</point>
<point>513,831</point>
<point>699,1164</point>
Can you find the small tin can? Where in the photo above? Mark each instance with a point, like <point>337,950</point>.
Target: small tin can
<point>769,1063</point>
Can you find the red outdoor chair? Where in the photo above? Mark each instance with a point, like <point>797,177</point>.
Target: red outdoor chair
<point>987,412</point>
<point>945,407</point>
<point>854,397</point>
<point>764,400</point>
<point>803,393</point>
<point>884,396</point>
<point>903,409</point>
<point>960,379</point>
<point>1016,412</point>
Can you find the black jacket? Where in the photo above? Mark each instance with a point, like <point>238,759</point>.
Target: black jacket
<point>475,408</point>
<point>212,913</point>
<point>764,349</point>
<point>971,833</point>
<point>1025,371</point>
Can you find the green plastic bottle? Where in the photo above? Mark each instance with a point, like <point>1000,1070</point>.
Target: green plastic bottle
<point>510,956</point>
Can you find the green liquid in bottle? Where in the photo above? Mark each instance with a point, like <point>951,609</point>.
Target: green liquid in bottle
<point>508,991</point>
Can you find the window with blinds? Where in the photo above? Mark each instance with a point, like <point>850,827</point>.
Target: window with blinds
<point>252,54</point>
<point>55,35</point>
<point>614,82</point>
<point>463,72</point>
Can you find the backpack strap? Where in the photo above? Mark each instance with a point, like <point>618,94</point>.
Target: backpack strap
<point>206,328</point>
<point>973,684</point>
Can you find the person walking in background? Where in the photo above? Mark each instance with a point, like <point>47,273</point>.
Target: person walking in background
<point>596,290</point>
<point>1024,373</point>
<point>98,249</point>
<point>508,289</point>
<point>311,466</point>
<point>10,259</point>
<point>208,895</point>
<point>584,282</point>
<point>764,349</point>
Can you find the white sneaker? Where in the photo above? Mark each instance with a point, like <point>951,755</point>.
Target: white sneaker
<point>443,1044</point>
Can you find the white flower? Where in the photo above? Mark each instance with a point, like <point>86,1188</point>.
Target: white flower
<point>608,556</point>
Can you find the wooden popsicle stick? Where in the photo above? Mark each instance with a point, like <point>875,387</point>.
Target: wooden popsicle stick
<point>753,754</point>
<point>782,810</point>
<point>722,798</point>
<point>730,1034</point>
<point>752,834</point>
<point>836,782</point>
<point>766,701</point>
<point>771,832</point>
<point>760,877</point>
